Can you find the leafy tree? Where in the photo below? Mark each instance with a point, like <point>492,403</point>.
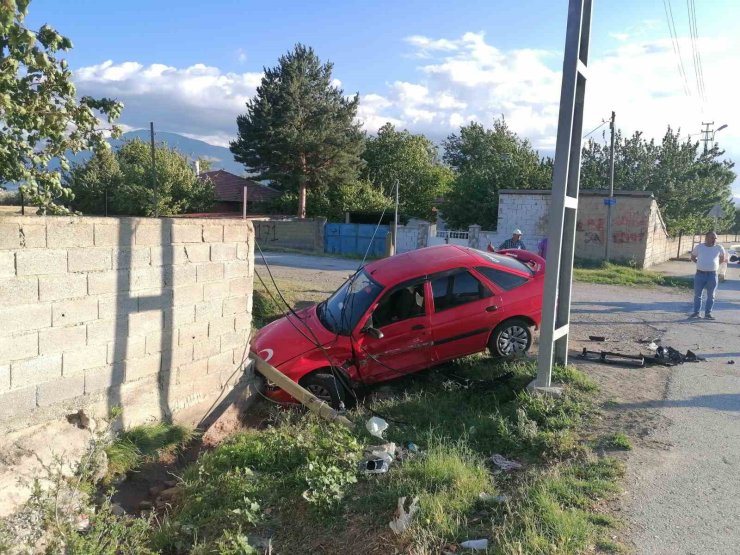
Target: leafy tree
<point>40,117</point>
<point>736,227</point>
<point>127,177</point>
<point>486,161</point>
<point>299,131</point>
<point>411,160</point>
<point>686,181</point>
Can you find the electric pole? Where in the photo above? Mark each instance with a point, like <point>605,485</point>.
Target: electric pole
<point>154,172</point>
<point>708,134</point>
<point>395,223</point>
<point>610,202</point>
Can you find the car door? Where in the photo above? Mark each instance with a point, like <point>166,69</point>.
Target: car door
<point>402,315</point>
<point>463,315</point>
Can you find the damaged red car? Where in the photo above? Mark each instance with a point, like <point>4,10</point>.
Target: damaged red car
<point>406,313</point>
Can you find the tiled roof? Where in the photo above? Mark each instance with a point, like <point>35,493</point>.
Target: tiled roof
<point>230,187</point>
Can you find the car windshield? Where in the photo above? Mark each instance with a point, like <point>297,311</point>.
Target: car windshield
<point>506,261</point>
<point>341,312</point>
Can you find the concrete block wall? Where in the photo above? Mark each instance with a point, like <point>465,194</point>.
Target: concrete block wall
<point>152,315</point>
<point>306,235</point>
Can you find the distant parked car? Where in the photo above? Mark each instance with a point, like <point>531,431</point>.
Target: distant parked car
<point>405,313</point>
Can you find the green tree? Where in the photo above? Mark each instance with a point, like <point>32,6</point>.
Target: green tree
<point>127,176</point>
<point>299,131</point>
<point>41,118</point>
<point>486,161</point>
<point>412,161</point>
<point>686,181</point>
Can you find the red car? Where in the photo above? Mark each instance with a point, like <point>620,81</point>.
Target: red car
<point>406,313</point>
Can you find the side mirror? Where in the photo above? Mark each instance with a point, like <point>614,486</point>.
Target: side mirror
<point>373,332</point>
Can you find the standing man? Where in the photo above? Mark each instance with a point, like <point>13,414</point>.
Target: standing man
<point>708,257</point>
<point>515,242</point>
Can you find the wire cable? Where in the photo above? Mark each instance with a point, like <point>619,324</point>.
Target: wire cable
<point>676,45</point>
<point>594,130</point>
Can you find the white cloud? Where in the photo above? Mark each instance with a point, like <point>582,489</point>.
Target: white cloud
<point>241,55</point>
<point>620,36</point>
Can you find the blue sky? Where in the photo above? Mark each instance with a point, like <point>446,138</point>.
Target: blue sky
<point>189,66</point>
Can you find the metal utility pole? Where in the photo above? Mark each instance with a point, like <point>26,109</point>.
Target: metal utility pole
<point>611,200</point>
<point>564,206</point>
<point>395,222</point>
<point>707,132</point>
<point>155,185</point>
<point>244,204</point>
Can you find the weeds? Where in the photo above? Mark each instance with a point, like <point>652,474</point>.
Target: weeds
<point>617,274</point>
<point>618,441</point>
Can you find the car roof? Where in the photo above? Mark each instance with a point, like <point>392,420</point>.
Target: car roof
<point>420,262</point>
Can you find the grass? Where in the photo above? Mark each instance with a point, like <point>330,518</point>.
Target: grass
<point>618,274</point>
<point>140,444</point>
<point>618,440</point>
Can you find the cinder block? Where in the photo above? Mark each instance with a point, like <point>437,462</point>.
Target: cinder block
<point>78,360</point>
<point>236,268</point>
<point>100,332</point>
<point>125,348</point>
<point>243,251</point>
<point>16,347</point>
<point>60,390</point>
<point>177,356</point>
<point>35,370</point>
<point>34,262</point>
<point>142,367</point>
<point>222,362</point>
<point>10,236</point>
<point>208,310</point>
<point>190,372</point>
<point>240,287</point>
<point>24,317</point>
<point>191,333</point>
<point>151,234</point>
<point>154,299</point>
<point>57,288</point>
<point>187,232</point>
<point>58,340</point>
<point>198,252</point>
<point>7,264</point>
<point>19,290</point>
<point>146,278</point>
<point>184,274</point>
<point>116,306</point>
<point>102,283</point>
<point>117,234</point>
<point>136,257</point>
<point>188,294</point>
<point>4,379</point>
<point>17,402</point>
<point>221,252</point>
<point>68,232</point>
<point>89,260</point>
<point>98,379</point>
<point>216,290</point>
<point>158,341</point>
<point>168,255</point>
<point>210,272</point>
<point>243,321</point>
<point>234,305</point>
<point>213,233</point>
<point>237,233</point>
<point>33,236</point>
<point>236,340</point>
<point>69,313</point>
<point>179,316</point>
<point>142,323</point>
<point>220,326</point>
<point>206,348</point>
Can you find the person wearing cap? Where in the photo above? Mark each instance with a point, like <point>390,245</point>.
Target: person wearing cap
<point>515,242</point>
<point>708,257</point>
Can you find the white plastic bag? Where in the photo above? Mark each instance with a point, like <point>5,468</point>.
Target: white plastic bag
<point>376,426</point>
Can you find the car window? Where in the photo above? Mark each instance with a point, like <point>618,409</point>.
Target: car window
<point>341,312</point>
<point>506,261</point>
<point>457,289</point>
<point>401,304</point>
<point>505,280</point>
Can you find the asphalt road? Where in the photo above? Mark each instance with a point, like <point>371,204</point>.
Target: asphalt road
<point>683,498</point>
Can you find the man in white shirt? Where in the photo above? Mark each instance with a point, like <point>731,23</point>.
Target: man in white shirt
<point>708,257</point>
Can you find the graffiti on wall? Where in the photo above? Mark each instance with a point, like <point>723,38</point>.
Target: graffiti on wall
<point>627,228</point>
<point>265,231</point>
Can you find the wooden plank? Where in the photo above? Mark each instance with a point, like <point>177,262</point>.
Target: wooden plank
<point>303,396</point>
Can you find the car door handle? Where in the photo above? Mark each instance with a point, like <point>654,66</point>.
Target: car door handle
<point>417,327</point>
<point>491,308</point>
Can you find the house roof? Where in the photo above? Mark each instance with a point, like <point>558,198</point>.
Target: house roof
<point>230,187</point>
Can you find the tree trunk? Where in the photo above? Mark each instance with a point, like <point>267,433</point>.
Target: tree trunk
<point>302,200</point>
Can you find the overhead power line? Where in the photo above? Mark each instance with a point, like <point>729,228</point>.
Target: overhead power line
<point>595,129</point>
<point>698,66</point>
<point>676,45</point>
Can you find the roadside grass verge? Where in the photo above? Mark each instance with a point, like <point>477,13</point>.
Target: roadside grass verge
<point>297,479</point>
<point>618,274</point>
<point>267,305</point>
<point>618,440</point>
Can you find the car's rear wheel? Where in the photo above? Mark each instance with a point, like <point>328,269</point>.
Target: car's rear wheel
<point>326,387</point>
<point>510,339</point>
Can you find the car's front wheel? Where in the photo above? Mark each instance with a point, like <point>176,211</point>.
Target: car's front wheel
<point>510,339</point>
<point>326,387</point>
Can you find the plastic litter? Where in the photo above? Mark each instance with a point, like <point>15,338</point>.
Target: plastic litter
<point>505,464</point>
<point>475,545</point>
<point>488,498</point>
<point>387,452</point>
<point>730,362</point>
<point>403,517</point>
<point>653,346</point>
<point>412,447</point>
<point>374,466</point>
<point>376,426</point>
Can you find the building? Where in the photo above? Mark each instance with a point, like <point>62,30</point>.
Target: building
<point>229,190</point>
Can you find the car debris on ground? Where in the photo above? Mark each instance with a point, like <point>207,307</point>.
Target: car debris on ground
<point>599,338</point>
<point>664,356</point>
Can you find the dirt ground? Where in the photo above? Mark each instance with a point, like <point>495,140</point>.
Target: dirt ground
<point>681,490</point>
